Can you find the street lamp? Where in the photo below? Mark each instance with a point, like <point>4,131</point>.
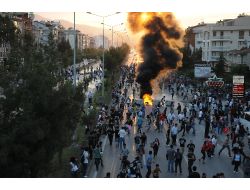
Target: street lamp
<point>103,17</point>
<point>112,29</point>
<point>74,58</point>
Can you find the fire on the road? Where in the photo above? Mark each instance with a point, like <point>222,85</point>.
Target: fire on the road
<point>147,99</point>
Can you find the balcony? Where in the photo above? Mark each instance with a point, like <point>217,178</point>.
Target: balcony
<point>221,38</point>
<point>220,48</point>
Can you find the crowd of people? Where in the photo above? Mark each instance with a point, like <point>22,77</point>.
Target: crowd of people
<point>215,109</point>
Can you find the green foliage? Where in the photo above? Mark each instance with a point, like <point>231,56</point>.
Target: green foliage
<point>220,66</point>
<point>40,111</point>
<point>115,56</point>
<point>92,53</point>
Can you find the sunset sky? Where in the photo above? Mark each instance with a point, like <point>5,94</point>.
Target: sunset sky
<point>188,12</point>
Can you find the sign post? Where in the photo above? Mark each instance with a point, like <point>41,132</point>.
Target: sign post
<point>238,86</point>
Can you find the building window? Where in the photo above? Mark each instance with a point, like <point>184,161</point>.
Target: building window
<point>249,33</point>
<point>214,33</point>
<point>213,53</point>
<point>221,43</point>
<point>241,34</point>
<point>213,43</point>
<point>221,33</point>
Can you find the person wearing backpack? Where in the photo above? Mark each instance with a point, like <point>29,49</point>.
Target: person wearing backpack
<point>178,160</point>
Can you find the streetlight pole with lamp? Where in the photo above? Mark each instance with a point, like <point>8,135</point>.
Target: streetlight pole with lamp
<point>103,17</point>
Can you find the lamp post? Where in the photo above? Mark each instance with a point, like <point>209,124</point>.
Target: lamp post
<point>103,17</point>
<point>74,58</point>
<point>112,29</point>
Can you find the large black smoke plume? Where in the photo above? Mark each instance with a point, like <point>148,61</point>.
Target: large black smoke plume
<point>160,44</point>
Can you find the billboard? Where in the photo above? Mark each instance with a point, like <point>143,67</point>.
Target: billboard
<point>202,70</point>
<point>238,86</point>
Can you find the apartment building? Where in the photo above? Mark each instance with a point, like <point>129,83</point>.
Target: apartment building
<point>23,21</point>
<point>222,37</point>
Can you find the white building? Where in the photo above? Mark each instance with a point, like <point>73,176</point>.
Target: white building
<point>222,37</point>
<point>42,29</point>
<point>99,42</point>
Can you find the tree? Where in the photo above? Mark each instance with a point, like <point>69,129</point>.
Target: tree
<point>40,111</point>
<point>220,66</point>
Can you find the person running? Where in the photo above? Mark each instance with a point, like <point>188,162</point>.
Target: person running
<point>156,171</point>
<point>226,145</point>
<point>149,161</point>
<point>203,152</point>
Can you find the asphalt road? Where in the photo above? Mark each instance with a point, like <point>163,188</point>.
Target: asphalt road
<point>212,166</point>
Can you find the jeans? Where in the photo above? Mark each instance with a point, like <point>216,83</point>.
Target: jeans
<point>121,142</point>
<point>178,164</point>
<point>171,166</point>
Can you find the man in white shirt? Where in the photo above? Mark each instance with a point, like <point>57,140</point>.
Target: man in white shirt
<point>200,116</point>
<point>85,161</point>
<point>122,133</point>
<point>181,117</point>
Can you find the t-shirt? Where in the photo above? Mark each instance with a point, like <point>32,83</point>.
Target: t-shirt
<point>149,160</point>
<point>182,142</point>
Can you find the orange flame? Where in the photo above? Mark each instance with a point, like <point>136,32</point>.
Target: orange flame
<point>147,99</point>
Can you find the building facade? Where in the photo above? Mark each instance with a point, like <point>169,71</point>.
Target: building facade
<point>222,37</point>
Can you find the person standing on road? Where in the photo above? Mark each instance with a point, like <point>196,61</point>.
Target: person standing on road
<point>178,160</point>
<point>226,145</point>
<point>182,142</point>
<point>191,159</point>
<point>171,158</point>
<point>149,161</point>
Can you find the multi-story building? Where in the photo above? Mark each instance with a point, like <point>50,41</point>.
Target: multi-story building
<point>23,21</point>
<point>99,42</point>
<point>42,29</point>
<point>222,37</point>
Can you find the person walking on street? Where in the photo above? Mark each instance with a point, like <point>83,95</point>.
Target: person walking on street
<point>174,131</point>
<point>155,146</point>
<point>110,133</point>
<point>149,161</point>
<point>171,158</point>
<point>226,145</point>
<point>236,161</point>
<point>97,156</point>
<point>122,133</point>
<point>85,161</point>
<point>143,139</point>
<point>178,160</point>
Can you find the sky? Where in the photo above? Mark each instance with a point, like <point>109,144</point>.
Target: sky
<point>188,12</point>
